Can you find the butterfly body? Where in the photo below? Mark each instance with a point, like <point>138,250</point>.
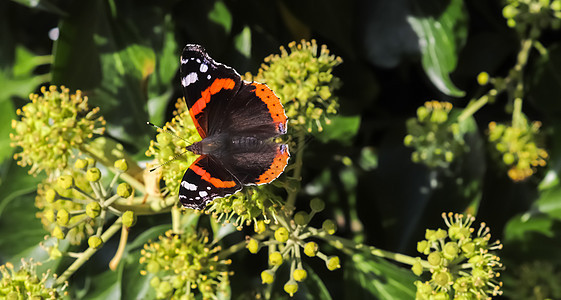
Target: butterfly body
<point>237,121</point>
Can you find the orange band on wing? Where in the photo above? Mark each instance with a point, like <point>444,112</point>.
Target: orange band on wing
<point>214,181</point>
<point>277,167</point>
<point>273,102</point>
<point>216,86</point>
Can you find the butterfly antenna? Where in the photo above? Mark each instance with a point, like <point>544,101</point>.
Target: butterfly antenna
<point>167,162</point>
<point>166,131</point>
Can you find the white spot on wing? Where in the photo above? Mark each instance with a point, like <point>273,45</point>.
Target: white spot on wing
<point>203,193</point>
<point>187,80</point>
<point>184,61</point>
<point>189,186</point>
<point>203,68</point>
<point>208,77</point>
<point>208,188</point>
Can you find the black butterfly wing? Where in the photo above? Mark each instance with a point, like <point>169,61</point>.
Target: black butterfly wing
<point>207,86</point>
<point>205,180</point>
<point>260,166</point>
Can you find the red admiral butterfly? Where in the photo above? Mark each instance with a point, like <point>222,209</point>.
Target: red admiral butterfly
<point>237,121</point>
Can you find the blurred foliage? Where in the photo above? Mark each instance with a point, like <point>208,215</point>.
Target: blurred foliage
<point>396,56</point>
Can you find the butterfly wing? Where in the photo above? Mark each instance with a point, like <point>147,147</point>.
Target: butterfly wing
<point>203,80</point>
<point>260,166</point>
<point>199,187</point>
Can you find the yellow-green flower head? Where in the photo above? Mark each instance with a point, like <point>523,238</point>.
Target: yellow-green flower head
<point>186,264</point>
<point>245,207</point>
<point>529,17</point>
<point>52,127</point>
<point>167,146</point>
<point>302,78</point>
<point>462,266</point>
<point>517,147</point>
<point>54,212</point>
<point>435,135</point>
<point>26,284</point>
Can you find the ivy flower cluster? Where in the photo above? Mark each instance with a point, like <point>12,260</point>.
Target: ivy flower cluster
<point>185,266</point>
<point>52,127</point>
<point>461,264</point>
<point>518,147</point>
<point>532,15</point>
<point>24,283</point>
<point>435,135</point>
<point>302,78</point>
<point>286,242</point>
<point>75,206</point>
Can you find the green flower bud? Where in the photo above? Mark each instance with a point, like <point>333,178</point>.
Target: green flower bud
<point>165,288</point>
<point>275,258</point>
<point>65,182</point>
<point>267,277</point>
<point>435,258</point>
<point>93,174</point>
<point>50,195</point>
<point>49,215</point>
<point>81,164</point>
<point>423,247</point>
<point>441,234</point>
<point>281,235</point>
<point>301,218</point>
<point>417,268</point>
<point>450,250</point>
<point>62,217</point>
<point>58,233</point>
<point>311,249</point>
<point>91,161</point>
<point>253,246</point>
<point>95,242</point>
<point>129,218</point>
<point>442,278</point>
<point>483,78</point>
<point>93,210</point>
<point>153,267</point>
<point>333,263</point>
<point>155,282</point>
<point>291,287</point>
<point>121,165</point>
<point>300,275</point>
<point>329,226</point>
<point>124,190</point>
<point>317,205</point>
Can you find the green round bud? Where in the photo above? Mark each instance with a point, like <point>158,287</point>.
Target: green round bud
<point>95,242</point>
<point>153,267</point>
<point>62,217</point>
<point>408,140</point>
<point>301,218</point>
<point>267,277</point>
<point>58,233</point>
<point>93,174</point>
<point>165,288</point>
<point>50,195</point>
<point>252,246</point>
<point>281,235</point>
<point>260,226</point>
<point>333,263</point>
<point>508,158</point>
<point>329,226</point>
<point>468,249</point>
<point>124,190</point>
<point>450,250</point>
<point>442,278</point>
<point>441,234</point>
<point>93,210</point>
<point>423,247</point>
<point>435,258</point>
<point>121,165</point>
<point>81,164</point>
<point>483,78</point>
<point>311,249</point>
<point>275,258</point>
<point>49,214</point>
<point>155,281</point>
<point>300,275</point>
<point>91,161</point>
<point>317,205</point>
<point>65,182</point>
<point>129,218</point>
<point>291,287</point>
<point>417,268</point>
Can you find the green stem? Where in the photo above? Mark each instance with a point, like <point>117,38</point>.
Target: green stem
<point>339,242</point>
<point>88,253</point>
<point>291,199</point>
<point>517,114</point>
<point>176,220</point>
<point>473,107</point>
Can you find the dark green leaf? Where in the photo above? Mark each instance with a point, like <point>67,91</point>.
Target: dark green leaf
<point>520,226</point>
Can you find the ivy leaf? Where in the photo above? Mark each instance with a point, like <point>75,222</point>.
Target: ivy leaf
<point>440,39</point>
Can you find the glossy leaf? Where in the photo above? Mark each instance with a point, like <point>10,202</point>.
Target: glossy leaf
<point>441,35</point>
